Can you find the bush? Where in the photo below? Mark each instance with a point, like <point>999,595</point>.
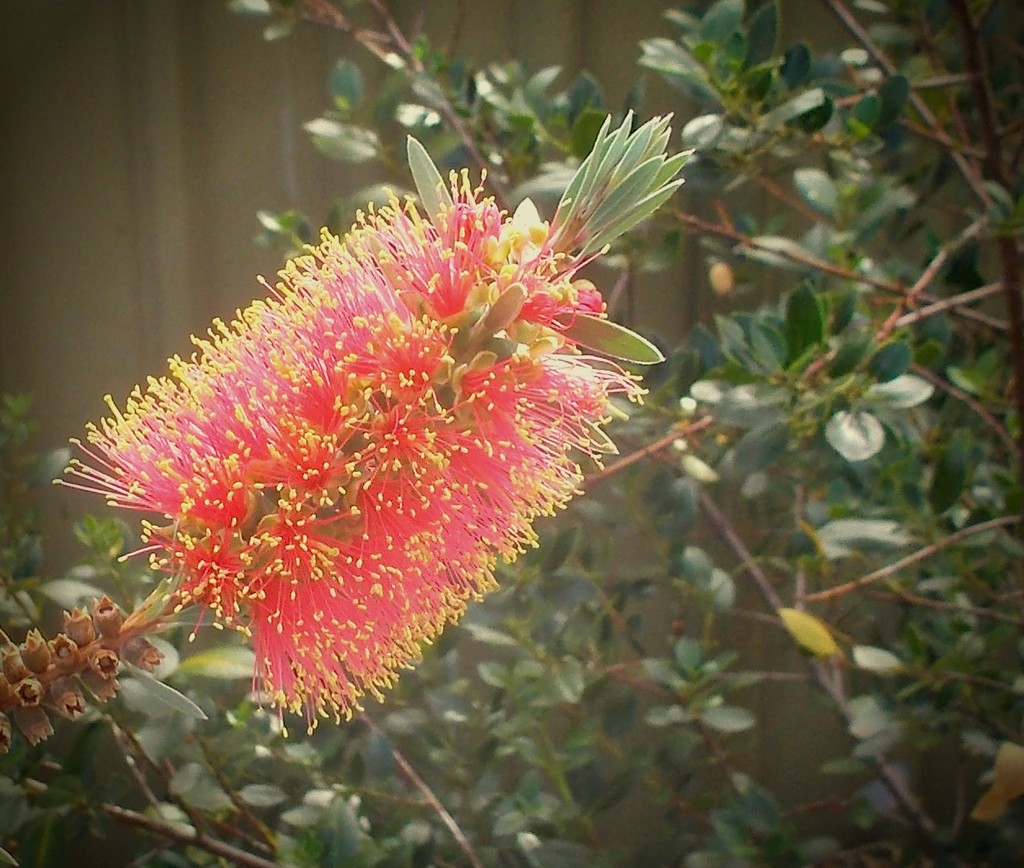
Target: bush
<point>784,627</point>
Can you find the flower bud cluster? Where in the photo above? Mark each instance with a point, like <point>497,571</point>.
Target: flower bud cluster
<point>43,676</point>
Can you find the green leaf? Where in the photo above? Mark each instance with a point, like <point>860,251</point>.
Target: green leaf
<point>702,132</point>
<point>950,473</point>
<point>262,795</point>
<point>254,8</point>
<point>817,189</point>
<point>762,34</point>
<point>167,695</point>
<point>868,718</point>
<point>892,99</point>
<point>805,322</point>
<point>876,660</point>
<point>801,104</point>
<point>902,392</point>
<point>891,361</point>
<point>68,593</point>
<point>341,141</point>
<point>584,132</point>
<point>857,436</point>
<point>6,858</point>
<point>612,339</point>
<point>226,662</point>
<point>809,632</point>
<point>727,718</point>
<point>840,537</point>
<point>757,449</point>
<point>722,20</point>
<point>796,65</point>
<point>430,187</point>
<point>346,85</point>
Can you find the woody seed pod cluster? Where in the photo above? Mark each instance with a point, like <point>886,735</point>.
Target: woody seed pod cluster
<point>41,676</point>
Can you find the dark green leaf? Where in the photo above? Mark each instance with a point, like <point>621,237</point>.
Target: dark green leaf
<point>584,131</point>
<point>950,473</point>
<point>892,99</point>
<point>891,361</point>
<point>805,321</point>
<point>721,20</point>
<point>762,34</point>
<point>346,85</point>
<point>796,66</point>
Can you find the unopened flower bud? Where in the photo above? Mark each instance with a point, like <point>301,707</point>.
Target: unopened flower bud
<point>102,689</point>
<point>33,723</point>
<point>106,616</point>
<point>35,653</point>
<point>67,698</point>
<point>104,662</point>
<point>142,653</point>
<point>5,734</point>
<point>64,653</point>
<point>79,627</point>
<point>29,692</point>
<point>13,666</point>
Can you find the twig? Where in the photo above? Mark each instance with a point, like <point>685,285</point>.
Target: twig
<point>973,403</point>
<point>176,832</point>
<point>827,267</point>
<point>899,595</point>
<point>849,20</point>
<point>182,835</point>
<point>962,298</point>
<point>977,64</point>
<point>912,809</point>
<point>650,449</point>
<point>929,274</point>
<point>913,558</point>
<point>435,803</point>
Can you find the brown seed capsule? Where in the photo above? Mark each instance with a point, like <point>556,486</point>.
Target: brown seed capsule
<point>142,653</point>
<point>106,616</point>
<point>66,697</point>
<point>7,695</point>
<point>104,662</point>
<point>35,652</point>
<point>102,689</point>
<point>65,654</point>
<point>79,627</point>
<point>13,666</point>
<point>5,734</point>
<point>33,723</point>
<point>29,692</point>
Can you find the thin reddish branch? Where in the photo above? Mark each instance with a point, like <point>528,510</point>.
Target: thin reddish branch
<point>921,554</point>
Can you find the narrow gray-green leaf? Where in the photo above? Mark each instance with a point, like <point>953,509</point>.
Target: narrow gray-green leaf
<point>613,339</point>
<point>168,695</point>
<point>430,186</point>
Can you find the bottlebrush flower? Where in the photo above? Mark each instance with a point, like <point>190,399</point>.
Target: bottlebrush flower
<point>341,467</point>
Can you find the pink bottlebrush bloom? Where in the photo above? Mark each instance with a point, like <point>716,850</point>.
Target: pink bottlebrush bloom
<point>341,468</point>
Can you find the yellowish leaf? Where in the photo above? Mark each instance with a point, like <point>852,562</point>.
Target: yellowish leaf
<point>809,632</point>
<point>1007,783</point>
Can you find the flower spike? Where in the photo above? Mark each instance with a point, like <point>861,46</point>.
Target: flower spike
<point>343,466</point>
